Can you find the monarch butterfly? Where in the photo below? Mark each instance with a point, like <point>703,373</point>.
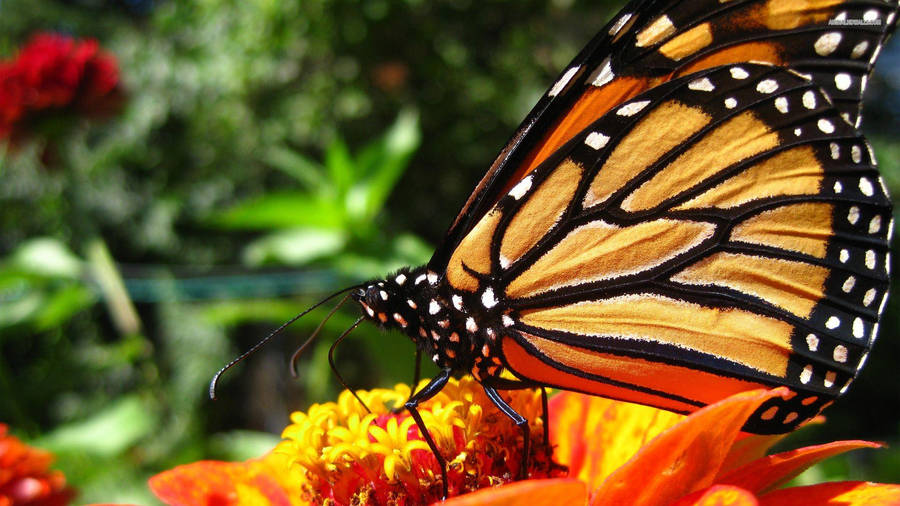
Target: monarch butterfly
<point>688,212</point>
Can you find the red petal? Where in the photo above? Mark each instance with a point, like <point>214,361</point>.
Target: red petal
<point>683,459</point>
<point>719,495</point>
<point>594,436</point>
<point>265,481</point>
<point>772,471</point>
<point>843,493</point>
<point>553,492</point>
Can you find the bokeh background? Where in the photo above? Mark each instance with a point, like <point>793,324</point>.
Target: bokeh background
<point>260,154</point>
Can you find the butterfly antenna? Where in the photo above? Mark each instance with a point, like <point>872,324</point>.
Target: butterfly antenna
<point>312,336</point>
<point>229,365</point>
<point>334,368</point>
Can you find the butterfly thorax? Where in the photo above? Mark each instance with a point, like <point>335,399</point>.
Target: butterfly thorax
<point>456,329</point>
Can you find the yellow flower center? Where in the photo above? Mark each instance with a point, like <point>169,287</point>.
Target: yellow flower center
<point>352,456</point>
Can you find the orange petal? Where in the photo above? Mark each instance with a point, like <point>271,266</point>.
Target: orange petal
<point>594,436</point>
<point>553,492</point>
<point>843,493</point>
<point>265,481</point>
<point>749,447</point>
<point>746,449</point>
<point>719,495</point>
<point>770,472</point>
<point>683,459</point>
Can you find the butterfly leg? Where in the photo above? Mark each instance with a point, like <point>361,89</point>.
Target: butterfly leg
<point>430,390</point>
<point>417,374</point>
<point>545,417</point>
<point>520,422</point>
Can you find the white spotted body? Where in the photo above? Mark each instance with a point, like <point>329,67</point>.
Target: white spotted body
<point>457,330</point>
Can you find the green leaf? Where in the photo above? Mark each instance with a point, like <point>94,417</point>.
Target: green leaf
<point>62,304</point>
<point>242,444</point>
<point>47,257</point>
<point>24,307</point>
<point>282,210</point>
<point>106,434</point>
<point>306,171</point>
<point>294,247</point>
<point>396,148</point>
<point>341,166</point>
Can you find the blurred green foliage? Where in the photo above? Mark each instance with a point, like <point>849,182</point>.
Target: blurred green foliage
<point>268,153</point>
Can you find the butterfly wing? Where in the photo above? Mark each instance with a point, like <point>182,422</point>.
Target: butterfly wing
<point>833,42</point>
<point>721,232</point>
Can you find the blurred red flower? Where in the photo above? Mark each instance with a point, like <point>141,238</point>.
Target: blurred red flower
<point>25,478</point>
<point>56,73</point>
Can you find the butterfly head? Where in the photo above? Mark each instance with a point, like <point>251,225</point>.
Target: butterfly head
<point>392,302</point>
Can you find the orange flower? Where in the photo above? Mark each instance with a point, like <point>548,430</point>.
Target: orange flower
<point>623,453</point>
<point>616,453</point>
<point>25,478</point>
<point>340,452</point>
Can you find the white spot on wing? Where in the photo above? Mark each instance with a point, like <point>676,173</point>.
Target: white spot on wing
<point>849,284</point>
<point>508,321</point>
<point>835,150</point>
<point>767,86</point>
<point>738,73</point>
<point>858,328</point>
<point>826,126</point>
<point>833,322</point>
<point>781,103</point>
<point>400,279</point>
<point>844,256</point>
<point>702,84</point>
<point>730,103</point>
<point>870,259</point>
<point>875,224</point>
<point>812,341</point>
<point>859,49</point>
<point>843,81</point>
<point>809,100</point>
<point>843,388</point>
<point>520,189</point>
<point>856,154</point>
<point>596,140</point>
<point>806,374</point>
<point>853,215</point>
<point>840,353</point>
<point>614,29</point>
<point>603,74</point>
<point>563,81</point>
<point>869,297</point>
<point>457,302</point>
<point>827,43</point>
<point>433,307</point>
<point>865,186</point>
<point>632,108</point>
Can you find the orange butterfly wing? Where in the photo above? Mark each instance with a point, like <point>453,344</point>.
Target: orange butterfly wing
<point>833,42</point>
<point>717,233</point>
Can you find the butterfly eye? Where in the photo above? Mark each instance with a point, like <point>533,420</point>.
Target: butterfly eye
<point>373,297</point>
